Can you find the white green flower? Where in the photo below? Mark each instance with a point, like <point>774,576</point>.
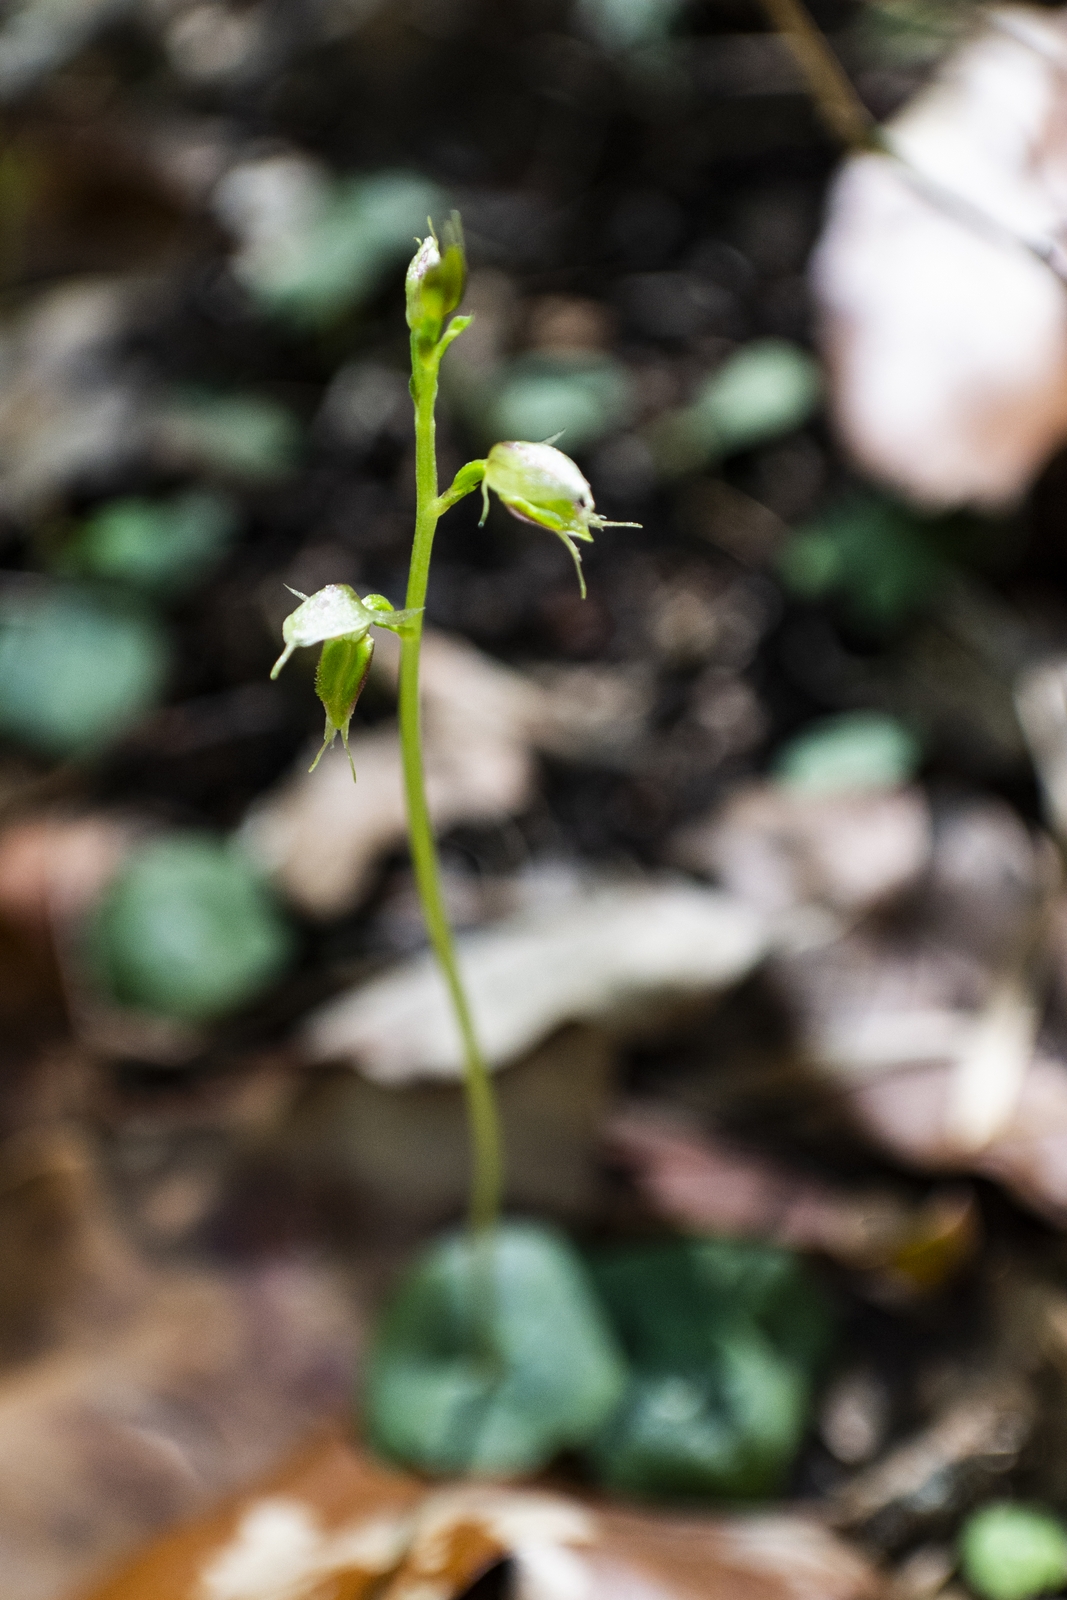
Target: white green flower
<point>339,620</point>
<point>539,484</point>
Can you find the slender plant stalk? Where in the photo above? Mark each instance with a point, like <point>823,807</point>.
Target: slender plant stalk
<point>483,1121</point>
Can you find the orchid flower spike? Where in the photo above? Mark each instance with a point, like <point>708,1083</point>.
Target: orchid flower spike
<point>539,484</point>
<point>340,621</point>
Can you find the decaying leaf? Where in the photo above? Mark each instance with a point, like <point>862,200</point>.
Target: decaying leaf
<point>908,1113</point>
<point>320,837</point>
<point>53,867</point>
<point>1041,704</point>
<point>974,1440</point>
<point>779,847</point>
<point>287,1528</point>
<point>335,1523</point>
<point>612,955</point>
<point>945,331</point>
<point>68,1271</point>
<point>68,413</point>
<point>131,1395</point>
<point>704,1183</point>
<point>406,1156</point>
<point>928,1025</point>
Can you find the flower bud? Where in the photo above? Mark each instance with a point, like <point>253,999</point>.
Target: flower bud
<point>435,281</point>
<point>539,484</point>
<point>339,620</point>
<point>339,679</point>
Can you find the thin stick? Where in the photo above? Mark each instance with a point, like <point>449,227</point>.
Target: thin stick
<point>840,106</point>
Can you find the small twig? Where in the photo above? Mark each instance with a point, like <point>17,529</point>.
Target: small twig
<point>839,105</point>
<point>847,117</point>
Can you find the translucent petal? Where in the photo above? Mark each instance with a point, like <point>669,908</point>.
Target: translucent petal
<point>331,613</point>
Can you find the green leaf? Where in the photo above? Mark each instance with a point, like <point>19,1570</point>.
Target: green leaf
<point>187,929</point>
<point>731,1434</point>
<point>626,24</point>
<point>543,396</point>
<point>244,436</point>
<point>163,547</point>
<point>767,389</point>
<point>364,227</point>
<point>724,1340</point>
<point>881,560</point>
<point>855,751</point>
<point>76,669</point>
<point>493,1356</point>
<point>1013,1552</point>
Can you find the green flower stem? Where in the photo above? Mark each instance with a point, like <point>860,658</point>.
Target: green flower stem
<point>483,1120</point>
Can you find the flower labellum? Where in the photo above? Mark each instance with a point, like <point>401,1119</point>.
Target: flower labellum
<point>435,281</point>
<point>339,620</point>
<point>539,484</point>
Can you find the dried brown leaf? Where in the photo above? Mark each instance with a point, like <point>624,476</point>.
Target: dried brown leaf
<point>705,1183</point>
<point>333,1524</point>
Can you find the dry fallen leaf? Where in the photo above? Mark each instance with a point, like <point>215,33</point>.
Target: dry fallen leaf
<point>611,955</point>
<point>779,847</point>
<point>908,1114</point>
<point>701,1182</point>
<point>335,1525</point>
<point>927,1025</point>
<point>974,1439</point>
<point>320,836</point>
<point>68,412</point>
<point>406,1156</point>
<point>132,1395</point>
<point>1041,705</point>
<point>54,866</point>
<point>946,336</point>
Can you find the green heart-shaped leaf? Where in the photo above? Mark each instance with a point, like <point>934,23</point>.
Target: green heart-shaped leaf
<point>76,669</point>
<point>493,1356</point>
<point>724,1338</point>
<point>187,929</point>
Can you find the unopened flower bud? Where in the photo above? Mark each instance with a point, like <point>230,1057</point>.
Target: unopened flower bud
<point>539,484</point>
<point>339,620</point>
<point>339,679</point>
<point>435,281</point>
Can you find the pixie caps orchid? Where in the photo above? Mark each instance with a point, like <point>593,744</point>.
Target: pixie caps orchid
<point>339,620</point>
<point>539,484</point>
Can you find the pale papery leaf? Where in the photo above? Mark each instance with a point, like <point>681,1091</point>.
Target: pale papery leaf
<point>945,335</point>
<point>610,954</point>
<point>779,848</point>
